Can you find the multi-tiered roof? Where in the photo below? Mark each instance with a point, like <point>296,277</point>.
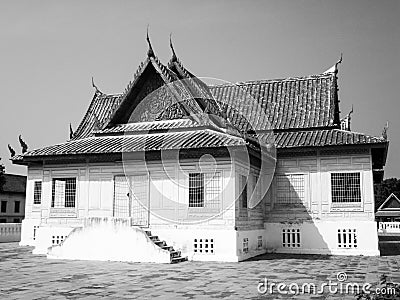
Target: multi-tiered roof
<point>167,107</point>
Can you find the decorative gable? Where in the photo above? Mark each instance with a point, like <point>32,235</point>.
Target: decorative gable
<point>146,98</point>
<point>392,202</point>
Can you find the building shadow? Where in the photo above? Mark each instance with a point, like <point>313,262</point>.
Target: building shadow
<point>293,224</point>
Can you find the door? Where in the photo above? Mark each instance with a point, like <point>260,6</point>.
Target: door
<point>131,198</point>
<point>140,200</point>
<point>121,207</point>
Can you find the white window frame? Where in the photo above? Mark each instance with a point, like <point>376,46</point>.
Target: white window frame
<point>346,206</point>
<point>64,212</point>
<point>208,206</point>
<point>41,193</point>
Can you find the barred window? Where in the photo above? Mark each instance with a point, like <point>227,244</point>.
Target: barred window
<point>243,191</point>
<point>291,238</point>
<point>246,245</point>
<point>37,192</point>
<point>205,190</point>
<point>345,187</point>
<point>347,238</point>
<point>259,242</point>
<point>196,190</point>
<point>290,189</point>
<point>63,192</point>
<point>213,189</point>
<point>203,246</point>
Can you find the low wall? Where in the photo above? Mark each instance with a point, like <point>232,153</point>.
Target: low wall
<point>10,232</point>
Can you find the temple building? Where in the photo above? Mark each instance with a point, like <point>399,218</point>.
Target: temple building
<point>12,198</point>
<point>215,172</point>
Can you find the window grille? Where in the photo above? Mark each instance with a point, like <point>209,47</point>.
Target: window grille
<point>203,246</point>
<point>196,190</point>
<point>63,192</point>
<point>259,242</point>
<point>290,189</point>
<point>37,192</point>
<point>245,245</point>
<point>291,238</point>
<point>345,187</point>
<point>243,191</point>
<point>213,189</point>
<point>57,239</point>
<point>347,238</point>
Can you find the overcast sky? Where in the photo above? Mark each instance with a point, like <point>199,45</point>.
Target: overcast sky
<point>50,49</point>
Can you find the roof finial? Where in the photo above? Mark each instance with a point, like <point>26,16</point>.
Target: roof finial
<point>174,58</point>
<point>150,52</point>
<point>340,60</point>
<point>385,130</point>
<point>334,68</point>
<point>71,131</point>
<point>12,151</point>
<point>24,146</point>
<point>96,88</point>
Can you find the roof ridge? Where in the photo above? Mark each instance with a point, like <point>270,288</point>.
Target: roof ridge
<point>143,133</point>
<point>356,132</point>
<point>294,78</point>
<point>155,121</point>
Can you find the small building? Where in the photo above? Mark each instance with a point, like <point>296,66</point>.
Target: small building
<point>389,211</point>
<point>12,199</point>
<point>221,172</point>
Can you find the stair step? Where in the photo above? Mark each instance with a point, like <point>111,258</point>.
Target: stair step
<point>178,259</point>
<point>160,243</point>
<point>175,254</point>
<point>154,238</point>
<point>169,248</point>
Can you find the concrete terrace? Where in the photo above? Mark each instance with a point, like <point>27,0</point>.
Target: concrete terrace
<point>26,276</point>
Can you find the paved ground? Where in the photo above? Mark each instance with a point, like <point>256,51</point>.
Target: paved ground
<point>25,276</point>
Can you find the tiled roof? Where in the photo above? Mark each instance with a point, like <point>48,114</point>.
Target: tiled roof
<point>303,102</point>
<point>321,138</point>
<point>99,113</point>
<point>14,183</point>
<point>143,142</point>
<point>195,139</point>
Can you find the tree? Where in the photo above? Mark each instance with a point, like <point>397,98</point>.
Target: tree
<point>2,178</point>
<point>384,189</point>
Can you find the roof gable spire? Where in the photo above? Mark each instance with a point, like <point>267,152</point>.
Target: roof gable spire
<point>150,52</point>
<point>174,57</point>
<point>95,87</point>
<point>334,68</point>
